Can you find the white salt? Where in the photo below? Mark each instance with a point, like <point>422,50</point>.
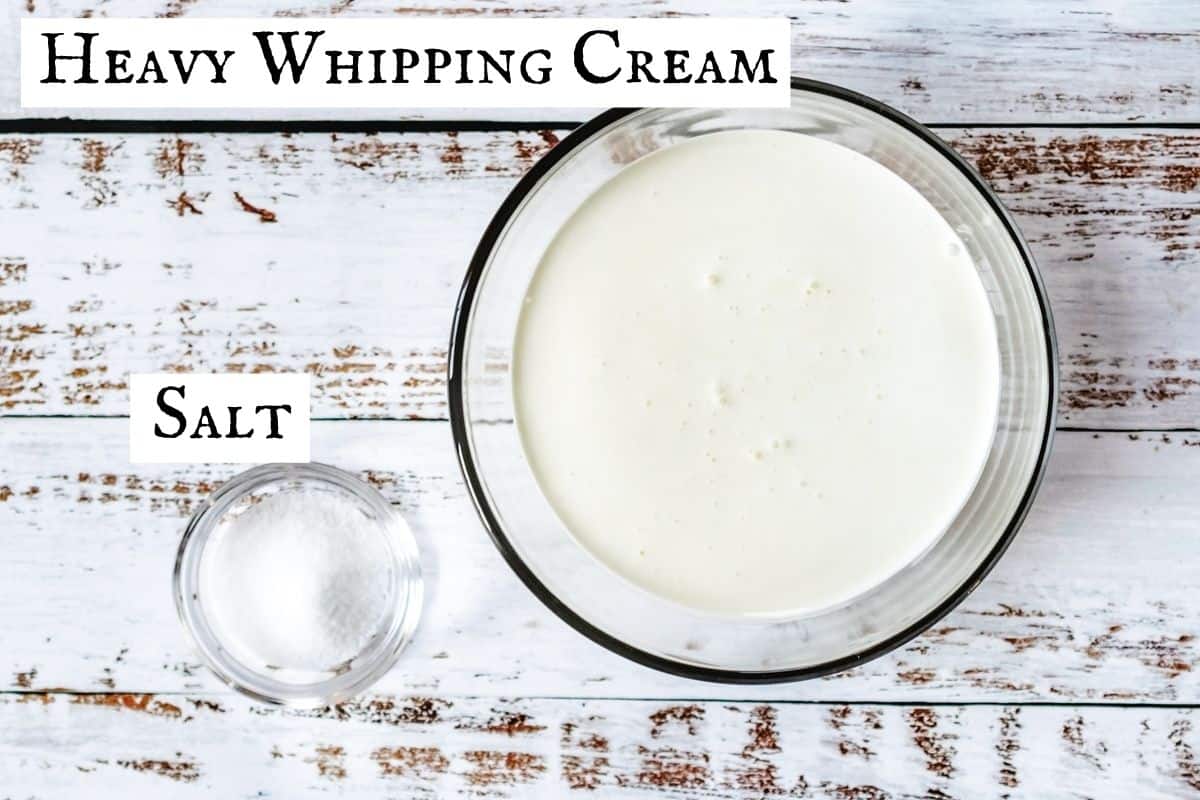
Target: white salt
<point>298,581</point>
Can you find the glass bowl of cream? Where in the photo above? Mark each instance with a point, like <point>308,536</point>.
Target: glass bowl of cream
<point>298,584</point>
<point>752,395</point>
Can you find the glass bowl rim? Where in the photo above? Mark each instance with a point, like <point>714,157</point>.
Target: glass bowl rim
<point>407,559</point>
<point>460,425</point>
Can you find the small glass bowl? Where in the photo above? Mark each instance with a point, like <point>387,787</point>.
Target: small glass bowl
<point>646,628</point>
<point>290,687</point>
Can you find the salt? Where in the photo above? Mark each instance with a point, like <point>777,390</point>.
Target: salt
<point>298,581</point>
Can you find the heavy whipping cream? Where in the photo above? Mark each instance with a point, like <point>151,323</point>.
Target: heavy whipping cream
<point>756,373</point>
